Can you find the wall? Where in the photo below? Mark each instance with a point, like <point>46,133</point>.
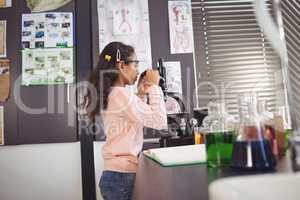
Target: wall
<point>35,172</point>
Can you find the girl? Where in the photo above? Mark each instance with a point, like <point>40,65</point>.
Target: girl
<point>124,115</point>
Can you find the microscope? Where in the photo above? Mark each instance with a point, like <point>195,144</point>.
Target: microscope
<point>180,123</point>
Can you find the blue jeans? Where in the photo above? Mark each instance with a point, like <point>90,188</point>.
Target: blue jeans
<point>116,185</point>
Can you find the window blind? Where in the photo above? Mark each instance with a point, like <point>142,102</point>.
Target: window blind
<point>290,11</point>
<point>232,55</point>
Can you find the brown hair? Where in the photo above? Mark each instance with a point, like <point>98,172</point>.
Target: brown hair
<point>105,75</point>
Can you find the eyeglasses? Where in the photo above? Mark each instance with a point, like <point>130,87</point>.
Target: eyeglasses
<point>132,61</point>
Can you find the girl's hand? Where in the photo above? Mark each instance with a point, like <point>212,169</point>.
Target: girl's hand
<point>142,88</point>
<point>146,80</point>
<point>151,77</point>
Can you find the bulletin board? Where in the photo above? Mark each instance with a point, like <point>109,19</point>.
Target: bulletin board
<point>54,124</point>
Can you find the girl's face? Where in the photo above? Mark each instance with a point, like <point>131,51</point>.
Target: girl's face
<point>129,71</point>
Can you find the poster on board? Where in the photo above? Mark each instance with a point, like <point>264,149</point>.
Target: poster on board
<point>173,76</point>
<point>126,21</point>
<point>1,125</point>
<point>180,27</point>
<point>5,3</point>
<point>47,42</point>
<point>2,38</point>
<point>4,79</point>
<point>47,66</point>
<point>45,5</point>
<point>47,30</point>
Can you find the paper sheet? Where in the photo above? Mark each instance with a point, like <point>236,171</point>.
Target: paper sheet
<point>45,5</point>
<point>4,79</point>
<point>2,39</point>
<point>126,21</point>
<point>46,30</point>
<point>47,66</point>
<point>5,3</point>
<point>180,155</point>
<point>1,125</point>
<point>180,27</point>
<point>173,76</point>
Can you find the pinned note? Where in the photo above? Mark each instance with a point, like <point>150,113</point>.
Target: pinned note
<point>1,125</point>
<point>4,79</point>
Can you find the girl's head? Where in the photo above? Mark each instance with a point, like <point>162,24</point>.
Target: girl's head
<point>117,66</point>
<point>121,59</point>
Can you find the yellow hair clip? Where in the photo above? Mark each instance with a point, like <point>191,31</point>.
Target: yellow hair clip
<point>107,58</point>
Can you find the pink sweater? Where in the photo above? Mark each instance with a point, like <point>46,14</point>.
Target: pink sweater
<point>123,120</point>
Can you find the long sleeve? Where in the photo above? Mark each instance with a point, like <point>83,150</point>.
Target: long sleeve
<point>152,115</point>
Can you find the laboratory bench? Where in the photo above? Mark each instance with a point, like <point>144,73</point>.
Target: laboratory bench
<point>189,182</point>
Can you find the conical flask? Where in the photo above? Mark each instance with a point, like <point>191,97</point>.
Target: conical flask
<point>251,150</point>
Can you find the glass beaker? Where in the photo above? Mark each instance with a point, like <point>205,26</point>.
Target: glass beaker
<point>295,150</point>
<point>198,135</point>
<point>219,146</point>
<point>219,136</point>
